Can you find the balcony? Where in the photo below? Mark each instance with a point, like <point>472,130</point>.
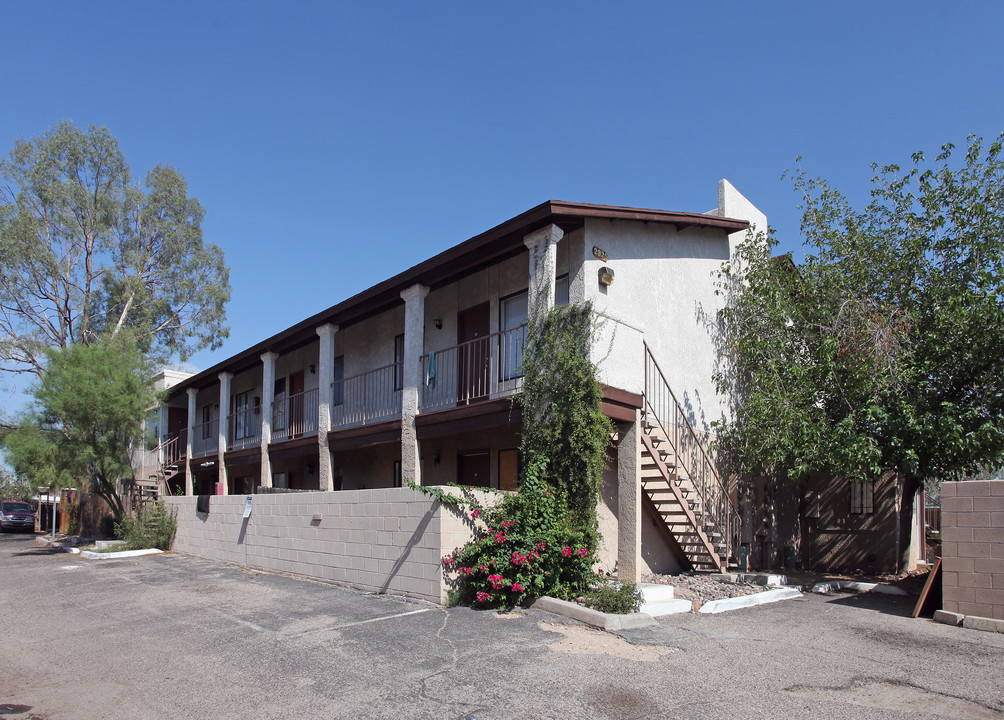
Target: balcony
<point>205,438</point>
<point>367,398</point>
<point>485,368</point>
<point>294,416</point>
<point>244,429</point>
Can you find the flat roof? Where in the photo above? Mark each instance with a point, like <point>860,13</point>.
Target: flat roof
<point>490,247</point>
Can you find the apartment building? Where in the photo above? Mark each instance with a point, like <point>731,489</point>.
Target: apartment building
<point>414,377</point>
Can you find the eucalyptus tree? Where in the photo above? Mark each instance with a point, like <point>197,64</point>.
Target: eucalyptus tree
<point>86,252</point>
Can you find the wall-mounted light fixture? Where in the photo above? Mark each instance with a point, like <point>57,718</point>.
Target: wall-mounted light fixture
<point>606,275</point>
<point>438,322</point>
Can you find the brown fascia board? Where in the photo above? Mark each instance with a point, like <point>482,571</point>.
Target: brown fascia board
<point>499,243</point>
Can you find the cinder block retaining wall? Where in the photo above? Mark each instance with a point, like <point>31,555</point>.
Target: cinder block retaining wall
<point>972,548</point>
<point>390,540</point>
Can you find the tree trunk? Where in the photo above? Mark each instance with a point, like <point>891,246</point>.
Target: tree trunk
<point>910,486</point>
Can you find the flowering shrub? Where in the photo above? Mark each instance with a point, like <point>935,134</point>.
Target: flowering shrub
<point>522,548</point>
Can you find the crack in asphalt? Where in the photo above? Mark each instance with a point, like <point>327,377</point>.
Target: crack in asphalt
<point>423,692</point>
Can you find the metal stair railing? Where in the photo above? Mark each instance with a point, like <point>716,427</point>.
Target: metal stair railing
<point>664,411</point>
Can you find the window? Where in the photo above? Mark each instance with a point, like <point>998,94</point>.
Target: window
<point>398,362</point>
<point>513,311</point>
<point>862,497</point>
<point>242,418</point>
<point>561,290</point>
<point>279,405</point>
<point>338,394</point>
<point>207,420</point>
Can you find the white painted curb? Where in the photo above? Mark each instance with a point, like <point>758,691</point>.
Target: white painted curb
<point>824,588</point>
<point>760,598</point>
<point>90,554</point>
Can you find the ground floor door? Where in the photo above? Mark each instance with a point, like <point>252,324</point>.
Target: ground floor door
<point>474,469</point>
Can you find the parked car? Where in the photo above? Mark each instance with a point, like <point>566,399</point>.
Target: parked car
<point>16,516</point>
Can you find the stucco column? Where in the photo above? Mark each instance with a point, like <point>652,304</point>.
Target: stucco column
<point>267,400</point>
<point>543,266</point>
<point>629,503</point>
<point>190,442</point>
<point>221,443</point>
<point>326,376</point>
<point>414,344</point>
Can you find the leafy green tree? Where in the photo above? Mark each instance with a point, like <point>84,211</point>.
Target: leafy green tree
<point>884,350</point>
<point>87,414</point>
<point>87,253</point>
<point>14,488</point>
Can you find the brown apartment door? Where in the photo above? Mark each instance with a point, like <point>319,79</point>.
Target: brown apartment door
<point>474,356</point>
<point>296,403</point>
<point>177,421</point>
<point>474,469</point>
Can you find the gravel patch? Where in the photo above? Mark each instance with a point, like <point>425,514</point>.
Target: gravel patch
<point>701,589</point>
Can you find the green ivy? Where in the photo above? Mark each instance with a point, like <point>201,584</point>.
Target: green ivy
<point>542,539</point>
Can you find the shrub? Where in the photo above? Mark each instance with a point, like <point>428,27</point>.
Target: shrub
<point>612,596</point>
<point>522,548</point>
<point>153,526</point>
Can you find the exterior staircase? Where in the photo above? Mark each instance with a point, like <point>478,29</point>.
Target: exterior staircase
<point>680,480</point>
<point>170,460</point>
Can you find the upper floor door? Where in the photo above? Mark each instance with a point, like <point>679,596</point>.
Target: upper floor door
<point>473,356</point>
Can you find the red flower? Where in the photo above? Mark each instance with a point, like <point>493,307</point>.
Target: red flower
<point>567,552</point>
<point>516,587</point>
<point>475,513</point>
<point>483,597</point>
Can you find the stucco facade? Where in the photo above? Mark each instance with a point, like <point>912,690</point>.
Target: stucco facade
<point>414,377</point>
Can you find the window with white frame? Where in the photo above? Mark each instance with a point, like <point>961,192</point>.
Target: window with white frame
<point>512,320</point>
<point>242,419</point>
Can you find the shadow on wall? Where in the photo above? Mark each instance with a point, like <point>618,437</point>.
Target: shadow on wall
<point>96,519</point>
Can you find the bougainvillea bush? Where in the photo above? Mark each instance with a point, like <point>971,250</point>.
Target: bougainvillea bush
<point>523,548</point>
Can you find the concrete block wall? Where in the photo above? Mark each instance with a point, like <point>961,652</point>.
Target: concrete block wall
<point>972,548</point>
<point>385,540</point>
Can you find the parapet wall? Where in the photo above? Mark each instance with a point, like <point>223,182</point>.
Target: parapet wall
<point>389,540</point>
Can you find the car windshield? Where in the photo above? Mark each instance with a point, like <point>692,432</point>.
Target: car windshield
<point>10,507</point>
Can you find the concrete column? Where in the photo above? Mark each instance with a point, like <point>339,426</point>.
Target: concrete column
<point>267,400</point>
<point>629,502</point>
<point>326,375</point>
<point>190,442</point>
<point>414,345</point>
<point>221,448</point>
<point>543,265</point>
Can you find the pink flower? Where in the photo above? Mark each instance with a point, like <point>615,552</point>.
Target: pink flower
<point>483,597</point>
<point>542,546</point>
<point>516,587</point>
<point>567,552</point>
<point>496,581</point>
<point>507,523</point>
<point>581,552</point>
<point>475,513</point>
<point>448,560</point>
<point>499,538</point>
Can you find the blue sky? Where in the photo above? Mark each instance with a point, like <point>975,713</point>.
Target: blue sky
<point>335,144</point>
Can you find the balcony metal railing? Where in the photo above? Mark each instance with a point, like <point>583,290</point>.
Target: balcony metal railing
<point>480,369</point>
<point>173,447</point>
<point>366,398</point>
<point>206,438</point>
<point>244,429</point>
<point>295,416</point>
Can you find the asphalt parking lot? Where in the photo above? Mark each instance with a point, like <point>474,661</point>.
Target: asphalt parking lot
<point>171,636</point>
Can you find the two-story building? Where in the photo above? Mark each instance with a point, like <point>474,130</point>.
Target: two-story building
<point>414,377</point>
